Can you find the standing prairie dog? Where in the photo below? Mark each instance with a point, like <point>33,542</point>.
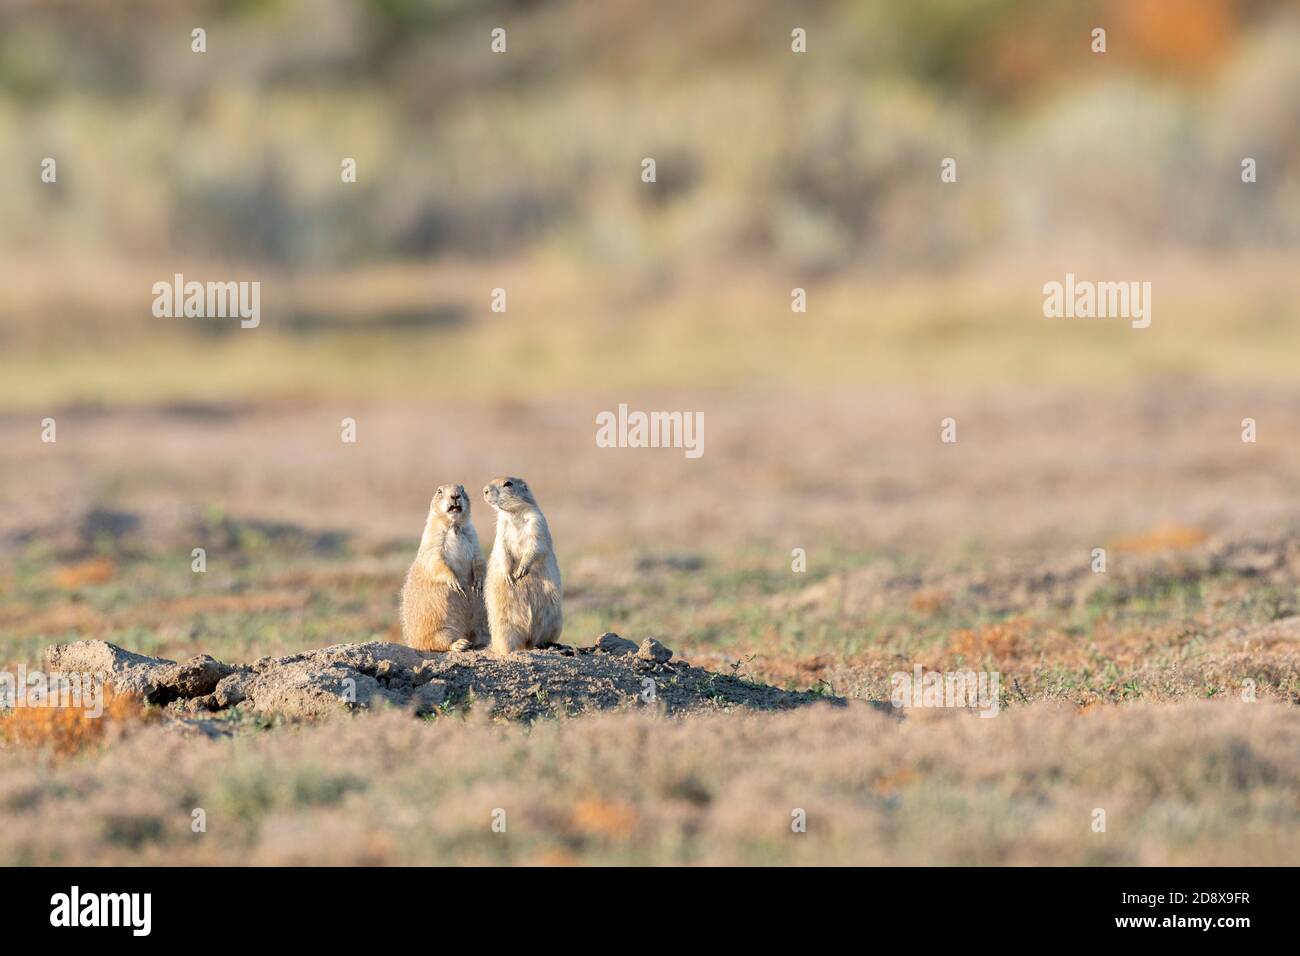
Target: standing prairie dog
<point>442,599</point>
<point>522,590</point>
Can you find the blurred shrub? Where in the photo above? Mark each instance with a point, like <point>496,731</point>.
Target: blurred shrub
<point>820,162</point>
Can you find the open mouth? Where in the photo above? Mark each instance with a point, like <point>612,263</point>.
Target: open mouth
<point>454,506</point>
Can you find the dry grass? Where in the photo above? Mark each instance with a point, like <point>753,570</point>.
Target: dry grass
<point>969,556</point>
<point>1192,783</point>
<point>1167,537</point>
<point>979,325</point>
<point>63,731</point>
<point>78,574</point>
<point>947,555</point>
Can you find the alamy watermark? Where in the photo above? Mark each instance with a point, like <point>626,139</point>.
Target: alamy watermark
<point>968,689</point>
<point>1085,299</point>
<point>75,908</point>
<point>208,300</point>
<point>626,429</point>
<point>71,689</point>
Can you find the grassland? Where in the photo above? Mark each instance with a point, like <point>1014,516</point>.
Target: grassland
<point>1163,690</point>
<point>1121,690</point>
<point>1200,782</point>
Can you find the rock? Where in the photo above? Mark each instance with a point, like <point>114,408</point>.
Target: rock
<point>230,691</point>
<point>423,673</point>
<point>125,672</point>
<point>197,677</point>
<point>335,679</point>
<point>156,679</point>
<point>368,658</point>
<point>310,688</point>
<point>652,650</point>
<point>611,643</point>
<point>428,697</point>
<point>198,705</point>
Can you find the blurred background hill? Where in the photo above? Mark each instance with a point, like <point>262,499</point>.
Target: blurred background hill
<point>522,171</point>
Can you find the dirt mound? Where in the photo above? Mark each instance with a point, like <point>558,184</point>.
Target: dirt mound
<point>523,686</point>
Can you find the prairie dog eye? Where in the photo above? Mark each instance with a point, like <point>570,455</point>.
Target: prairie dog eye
<point>509,484</point>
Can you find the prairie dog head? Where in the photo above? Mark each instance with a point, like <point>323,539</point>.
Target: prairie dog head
<point>451,504</point>
<point>509,494</point>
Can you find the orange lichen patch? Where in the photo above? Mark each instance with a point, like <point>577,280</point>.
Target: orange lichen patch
<point>604,818</point>
<point>997,641</point>
<point>1185,36</point>
<point>890,783</point>
<point>929,601</point>
<point>1167,537</point>
<point>69,730</point>
<point>81,573</point>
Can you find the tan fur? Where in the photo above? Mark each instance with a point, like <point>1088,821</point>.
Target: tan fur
<point>442,599</point>
<point>522,592</point>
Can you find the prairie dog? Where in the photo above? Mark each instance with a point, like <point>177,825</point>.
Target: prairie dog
<point>522,590</point>
<point>442,599</point>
